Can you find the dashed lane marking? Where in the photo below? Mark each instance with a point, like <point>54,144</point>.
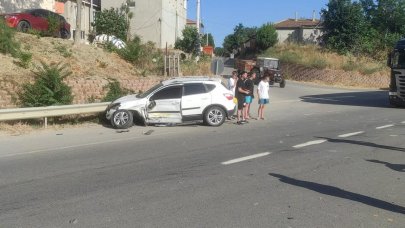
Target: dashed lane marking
<point>351,134</point>
<point>59,149</point>
<point>385,126</point>
<point>233,161</point>
<point>315,142</point>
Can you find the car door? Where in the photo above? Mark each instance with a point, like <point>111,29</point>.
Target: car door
<point>195,100</point>
<point>42,18</point>
<point>165,105</point>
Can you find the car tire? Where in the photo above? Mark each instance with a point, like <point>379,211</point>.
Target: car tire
<point>122,119</point>
<point>282,83</point>
<point>23,26</point>
<point>64,34</point>
<point>214,116</point>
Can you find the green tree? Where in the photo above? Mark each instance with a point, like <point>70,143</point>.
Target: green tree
<point>240,35</point>
<point>48,89</point>
<point>218,51</point>
<point>111,22</point>
<point>210,40</point>
<point>266,36</point>
<point>230,43</point>
<point>189,41</point>
<point>126,8</point>
<point>345,26</point>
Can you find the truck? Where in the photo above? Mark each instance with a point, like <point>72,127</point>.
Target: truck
<point>396,61</point>
<point>263,66</point>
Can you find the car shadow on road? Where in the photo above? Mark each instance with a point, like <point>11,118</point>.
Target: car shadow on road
<point>396,167</point>
<point>341,193</point>
<point>361,143</point>
<point>377,99</point>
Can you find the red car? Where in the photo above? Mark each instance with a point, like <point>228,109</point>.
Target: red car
<point>36,19</point>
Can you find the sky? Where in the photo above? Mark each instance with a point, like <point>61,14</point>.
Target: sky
<point>221,16</point>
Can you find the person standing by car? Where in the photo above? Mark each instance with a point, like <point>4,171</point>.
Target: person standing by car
<point>249,98</point>
<point>263,95</point>
<point>241,92</point>
<point>232,87</point>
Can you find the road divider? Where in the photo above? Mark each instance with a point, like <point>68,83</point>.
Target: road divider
<point>237,160</point>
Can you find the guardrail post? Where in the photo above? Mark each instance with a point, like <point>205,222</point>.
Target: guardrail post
<point>45,122</point>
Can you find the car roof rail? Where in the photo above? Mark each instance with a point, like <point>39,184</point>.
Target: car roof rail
<point>177,80</point>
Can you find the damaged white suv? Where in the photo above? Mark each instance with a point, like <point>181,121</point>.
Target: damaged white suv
<point>175,101</point>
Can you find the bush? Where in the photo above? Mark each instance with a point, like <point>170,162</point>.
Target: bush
<point>63,50</point>
<point>115,91</point>
<point>53,26</point>
<point>132,51</point>
<point>25,59</point>
<point>48,89</point>
<point>318,63</point>
<point>8,45</point>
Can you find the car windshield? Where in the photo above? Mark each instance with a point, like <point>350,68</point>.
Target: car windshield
<point>268,63</point>
<point>149,91</point>
<point>398,60</point>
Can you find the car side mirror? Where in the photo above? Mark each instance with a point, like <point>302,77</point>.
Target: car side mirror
<point>151,104</point>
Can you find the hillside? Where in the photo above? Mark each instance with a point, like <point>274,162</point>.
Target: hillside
<point>313,64</point>
<point>92,68</point>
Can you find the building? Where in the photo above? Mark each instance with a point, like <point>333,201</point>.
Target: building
<point>306,31</point>
<point>66,8</point>
<point>158,21</point>
<point>9,6</point>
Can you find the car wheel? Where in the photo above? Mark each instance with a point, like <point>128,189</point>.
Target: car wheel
<point>122,119</point>
<point>23,26</point>
<point>282,84</point>
<point>64,34</point>
<point>214,116</point>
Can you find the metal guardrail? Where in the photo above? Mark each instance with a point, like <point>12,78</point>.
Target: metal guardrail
<point>51,111</point>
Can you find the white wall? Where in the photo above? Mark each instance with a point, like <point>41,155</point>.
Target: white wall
<point>70,16</point>
<point>284,34</point>
<point>311,36</point>
<point>155,20</point>
<point>9,6</point>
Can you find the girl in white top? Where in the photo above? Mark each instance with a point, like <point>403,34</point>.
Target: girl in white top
<point>263,95</point>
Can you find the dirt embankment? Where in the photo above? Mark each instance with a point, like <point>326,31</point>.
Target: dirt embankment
<point>92,68</point>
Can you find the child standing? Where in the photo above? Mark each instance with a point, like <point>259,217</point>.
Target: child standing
<point>263,95</point>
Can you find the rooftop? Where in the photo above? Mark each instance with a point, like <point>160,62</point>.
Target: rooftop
<point>300,23</point>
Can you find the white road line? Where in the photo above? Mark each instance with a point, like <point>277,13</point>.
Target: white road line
<point>310,143</point>
<point>403,122</point>
<point>233,161</point>
<point>385,126</point>
<point>78,146</point>
<point>351,134</point>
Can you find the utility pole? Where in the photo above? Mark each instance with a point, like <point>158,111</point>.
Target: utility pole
<point>198,15</point>
<point>78,34</point>
<point>198,27</point>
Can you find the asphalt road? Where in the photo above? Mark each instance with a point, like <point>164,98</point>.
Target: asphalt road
<point>323,157</point>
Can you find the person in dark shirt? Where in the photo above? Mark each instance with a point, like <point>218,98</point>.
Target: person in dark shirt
<point>241,92</point>
<point>249,84</point>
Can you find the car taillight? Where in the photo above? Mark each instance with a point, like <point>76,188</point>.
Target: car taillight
<point>10,19</point>
<point>228,96</point>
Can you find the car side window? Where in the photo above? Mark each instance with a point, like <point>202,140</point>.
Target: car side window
<point>192,89</point>
<point>168,93</point>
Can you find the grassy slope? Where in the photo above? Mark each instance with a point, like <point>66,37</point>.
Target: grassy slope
<point>314,57</point>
